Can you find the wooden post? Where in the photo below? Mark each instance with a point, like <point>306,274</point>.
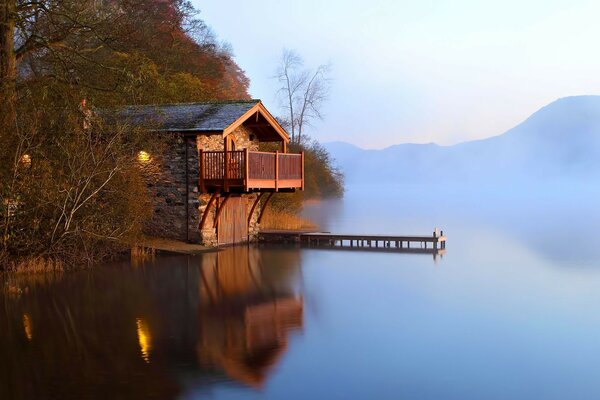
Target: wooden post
<point>302,170</point>
<point>201,184</point>
<point>207,209</point>
<point>258,198</point>
<point>264,207</point>
<point>283,146</point>
<point>277,170</point>
<point>220,209</point>
<point>246,171</point>
<point>226,167</point>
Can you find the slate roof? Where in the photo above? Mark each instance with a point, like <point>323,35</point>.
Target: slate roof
<point>194,117</point>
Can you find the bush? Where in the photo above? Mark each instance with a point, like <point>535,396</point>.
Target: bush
<point>322,179</point>
<point>72,190</point>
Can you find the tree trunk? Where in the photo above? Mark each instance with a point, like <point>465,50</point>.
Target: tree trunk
<point>8,65</point>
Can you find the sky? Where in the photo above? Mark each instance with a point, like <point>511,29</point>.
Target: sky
<point>419,71</point>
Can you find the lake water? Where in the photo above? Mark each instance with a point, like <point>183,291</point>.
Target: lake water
<point>511,311</point>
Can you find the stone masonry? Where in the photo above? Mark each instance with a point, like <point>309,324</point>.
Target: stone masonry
<point>175,216</point>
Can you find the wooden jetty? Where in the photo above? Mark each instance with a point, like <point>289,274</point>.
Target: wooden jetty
<point>434,244</point>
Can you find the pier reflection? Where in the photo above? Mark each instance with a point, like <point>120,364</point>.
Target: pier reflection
<point>247,311</point>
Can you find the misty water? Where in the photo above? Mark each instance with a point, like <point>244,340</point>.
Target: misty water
<point>510,311</point>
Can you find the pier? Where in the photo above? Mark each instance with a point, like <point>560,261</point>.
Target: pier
<point>434,244</point>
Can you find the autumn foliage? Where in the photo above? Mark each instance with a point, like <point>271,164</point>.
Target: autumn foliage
<point>70,186</point>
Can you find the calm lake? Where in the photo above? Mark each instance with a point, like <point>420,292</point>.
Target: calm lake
<point>511,311</point>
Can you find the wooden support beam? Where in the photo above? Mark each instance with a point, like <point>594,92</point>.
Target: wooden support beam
<point>264,207</point>
<point>258,198</point>
<point>207,209</point>
<point>220,209</point>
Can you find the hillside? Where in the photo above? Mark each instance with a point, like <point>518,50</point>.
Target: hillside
<point>560,140</point>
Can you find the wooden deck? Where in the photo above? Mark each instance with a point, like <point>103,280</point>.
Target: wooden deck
<point>245,170</point>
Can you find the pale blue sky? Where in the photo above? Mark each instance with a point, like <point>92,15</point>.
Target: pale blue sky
<point>423,70</point>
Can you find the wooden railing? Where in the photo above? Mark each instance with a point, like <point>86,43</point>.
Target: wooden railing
<point>251,169</point>
<point>261,165</point>
<point>214,164</point>
<point>290,166</point>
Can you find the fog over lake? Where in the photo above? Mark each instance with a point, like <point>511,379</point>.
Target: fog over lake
<point>508,312</point>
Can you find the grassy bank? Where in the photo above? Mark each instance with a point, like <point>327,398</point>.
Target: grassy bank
<point>283,220</point>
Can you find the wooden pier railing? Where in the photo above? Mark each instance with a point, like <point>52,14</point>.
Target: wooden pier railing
<point>251,170</point>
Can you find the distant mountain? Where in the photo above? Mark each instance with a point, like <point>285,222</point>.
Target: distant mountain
<point>560,140</point>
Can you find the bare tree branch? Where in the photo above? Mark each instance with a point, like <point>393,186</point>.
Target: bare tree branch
<point>302,92</point>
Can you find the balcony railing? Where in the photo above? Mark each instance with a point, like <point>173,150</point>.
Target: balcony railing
<point>249,170</point>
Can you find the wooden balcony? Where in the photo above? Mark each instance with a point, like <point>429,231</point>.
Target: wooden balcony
<point>244,171</point>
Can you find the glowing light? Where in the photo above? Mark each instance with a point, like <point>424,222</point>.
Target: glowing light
<point>143,157</point>
<point>27,327</point>
<point>144,339</point>
<point>26,160</point>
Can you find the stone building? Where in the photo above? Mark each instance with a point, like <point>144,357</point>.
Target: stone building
<point>211,182</point>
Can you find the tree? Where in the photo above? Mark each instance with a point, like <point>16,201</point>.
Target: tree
<point>71,187</point>
<point>302,92</point>
<point>8,66</point>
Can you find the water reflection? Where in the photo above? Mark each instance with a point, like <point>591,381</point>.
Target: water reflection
<point>27,327</point>
<point>144,339</point>
<point>175,326</point>
<point>246,314</point>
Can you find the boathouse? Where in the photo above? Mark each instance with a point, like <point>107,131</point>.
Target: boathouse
<point>212,181</point>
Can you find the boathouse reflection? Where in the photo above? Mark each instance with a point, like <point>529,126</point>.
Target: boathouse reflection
<point>173,326</point>
<point>247,311</point>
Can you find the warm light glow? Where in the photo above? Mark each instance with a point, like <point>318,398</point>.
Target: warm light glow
<point>143,157</point>
<point>144,339</point>
<point>26,160</point>
<point>27,327</point>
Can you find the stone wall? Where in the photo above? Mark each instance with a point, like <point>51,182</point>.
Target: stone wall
<point>175,215</point>
<point>210,142</point>
<point>242,139</point>
<point>208,234</point>
<point>253,227</point>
